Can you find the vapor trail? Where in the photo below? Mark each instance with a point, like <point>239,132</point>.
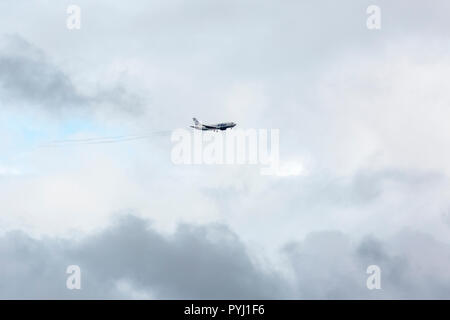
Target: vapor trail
<point>103,140</point>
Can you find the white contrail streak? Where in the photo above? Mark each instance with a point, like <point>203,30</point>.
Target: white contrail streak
<point>102,140</point>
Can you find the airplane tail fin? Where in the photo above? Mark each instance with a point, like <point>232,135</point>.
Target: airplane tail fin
<point>196,121</point>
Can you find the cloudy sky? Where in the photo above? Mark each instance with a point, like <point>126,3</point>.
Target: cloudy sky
<point>363,118</point>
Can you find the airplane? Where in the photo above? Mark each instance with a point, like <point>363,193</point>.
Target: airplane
<point>215,127</point>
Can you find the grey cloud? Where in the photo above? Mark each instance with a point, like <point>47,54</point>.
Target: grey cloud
<point>362,188</point>
<point>30,80</point>
<point>328,265</point>
<point>195,262</point>
<point>366,185</point>
<point>210,262</point>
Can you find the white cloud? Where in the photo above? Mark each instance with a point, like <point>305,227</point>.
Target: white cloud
<point>290,168</point>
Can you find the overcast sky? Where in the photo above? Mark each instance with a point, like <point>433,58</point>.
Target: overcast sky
<point>363,113</point>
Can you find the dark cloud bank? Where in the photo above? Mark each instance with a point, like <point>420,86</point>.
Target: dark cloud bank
<point>28,79</point>
<point>210,262</point>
